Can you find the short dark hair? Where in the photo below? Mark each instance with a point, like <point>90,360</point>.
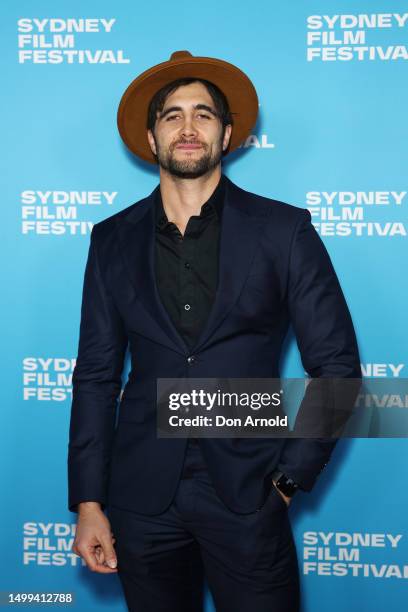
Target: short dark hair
<point>219,99</point>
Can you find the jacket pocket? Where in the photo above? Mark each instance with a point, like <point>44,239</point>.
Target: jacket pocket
<point>134,410</point>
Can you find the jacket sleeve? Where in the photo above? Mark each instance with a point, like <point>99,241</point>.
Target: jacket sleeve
<point>326,339</point>
<point>96,384</point>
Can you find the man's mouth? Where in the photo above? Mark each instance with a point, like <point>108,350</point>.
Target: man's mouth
<point>189,146</point>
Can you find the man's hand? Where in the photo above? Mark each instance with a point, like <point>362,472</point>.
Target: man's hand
<point>94,539</point>
<point>286,499</point>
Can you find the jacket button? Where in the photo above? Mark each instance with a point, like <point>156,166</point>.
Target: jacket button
<point>191,359</point>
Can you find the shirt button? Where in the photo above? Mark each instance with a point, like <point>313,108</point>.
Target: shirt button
<point>187,265</point>
<point>187,306</point>
<point>191,359</point>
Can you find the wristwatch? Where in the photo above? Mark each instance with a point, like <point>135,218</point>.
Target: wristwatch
<point>285,484</point>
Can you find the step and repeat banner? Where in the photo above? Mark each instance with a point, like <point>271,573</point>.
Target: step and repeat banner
<point>332,137</point>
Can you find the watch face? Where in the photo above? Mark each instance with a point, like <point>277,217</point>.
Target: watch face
<point>287,486</point>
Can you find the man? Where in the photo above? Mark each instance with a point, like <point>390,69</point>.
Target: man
<point>201,279</point>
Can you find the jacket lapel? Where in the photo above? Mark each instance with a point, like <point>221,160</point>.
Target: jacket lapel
<point>137,237</point>
<point>240,231</point>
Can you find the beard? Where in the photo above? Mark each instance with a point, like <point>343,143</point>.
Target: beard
<point>189,168</point>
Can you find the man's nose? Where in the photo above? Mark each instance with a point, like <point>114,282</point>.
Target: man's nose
<point>189,129</point>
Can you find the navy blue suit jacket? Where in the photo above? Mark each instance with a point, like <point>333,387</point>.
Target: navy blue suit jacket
<point>273,271</point>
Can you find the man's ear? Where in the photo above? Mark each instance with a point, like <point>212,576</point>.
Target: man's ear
<point>152,142</point>
<point>227,136</point>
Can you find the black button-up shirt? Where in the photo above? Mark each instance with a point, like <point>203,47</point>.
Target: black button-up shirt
<point>187,266</point>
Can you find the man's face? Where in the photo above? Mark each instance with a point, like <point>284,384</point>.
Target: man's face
<point>188,137</point>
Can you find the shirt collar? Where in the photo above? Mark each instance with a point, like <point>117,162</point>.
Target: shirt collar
<point>214,203</point>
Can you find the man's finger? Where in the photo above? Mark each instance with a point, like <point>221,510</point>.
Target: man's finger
<point>90,558</point>
<point>109,551</point>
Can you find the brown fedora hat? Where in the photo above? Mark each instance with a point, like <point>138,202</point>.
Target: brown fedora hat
<point>236,86</point>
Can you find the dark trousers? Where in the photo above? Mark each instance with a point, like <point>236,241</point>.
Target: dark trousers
<point>249,561</point>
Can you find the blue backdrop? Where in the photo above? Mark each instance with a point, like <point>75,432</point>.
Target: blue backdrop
<point>331,137</point>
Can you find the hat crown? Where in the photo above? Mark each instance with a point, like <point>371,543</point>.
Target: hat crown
<point>179,55</point>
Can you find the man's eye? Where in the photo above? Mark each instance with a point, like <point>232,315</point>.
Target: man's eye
<point>200,116</point>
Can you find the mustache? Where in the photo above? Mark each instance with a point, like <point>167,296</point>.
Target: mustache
<point>188,142</point>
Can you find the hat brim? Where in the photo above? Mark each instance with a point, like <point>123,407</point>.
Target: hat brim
<point>236,86</point>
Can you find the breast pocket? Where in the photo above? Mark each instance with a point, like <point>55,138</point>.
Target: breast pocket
<point>261,295</point>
